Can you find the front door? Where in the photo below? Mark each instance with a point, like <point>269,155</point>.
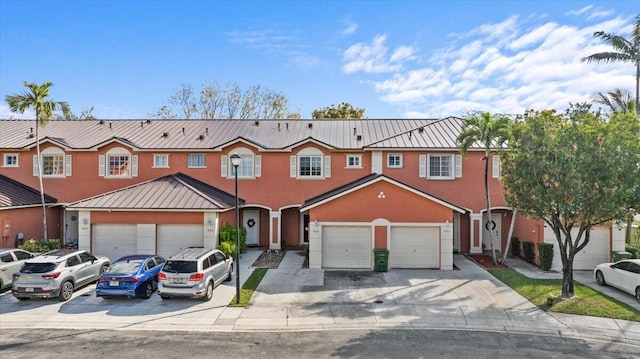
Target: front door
<point>71,228</point>
<point>251,219</point>
<point>493,226</point>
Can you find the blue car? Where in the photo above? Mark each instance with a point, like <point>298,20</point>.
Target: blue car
<point>131,276</point>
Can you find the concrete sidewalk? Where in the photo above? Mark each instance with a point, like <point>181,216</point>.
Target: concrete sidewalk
<point>291,298</point>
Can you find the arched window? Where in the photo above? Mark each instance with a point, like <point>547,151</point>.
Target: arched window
<point>54,163</point>
<point>118,163</point>
<point>250,164</point>
<point>310,163</point>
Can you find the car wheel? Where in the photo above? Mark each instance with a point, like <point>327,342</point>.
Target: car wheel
<point>600,278</point>
<point>66,290</point>
<point>104,268</point>
<point>638,294</point>
<point>148,290</point>
<point>209,293</point>
<point>229,275</point>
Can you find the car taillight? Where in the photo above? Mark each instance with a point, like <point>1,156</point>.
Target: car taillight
<point>131,280</point>
<point>196,277</point>
<point>16,276</point>
<point>162,276</point>
<point>51,276</point>
<point>100,280</point>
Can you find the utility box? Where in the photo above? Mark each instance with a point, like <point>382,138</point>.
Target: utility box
<point>620,255</point>
<point>381,260</point>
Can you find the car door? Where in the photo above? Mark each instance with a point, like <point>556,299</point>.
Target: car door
<point>19,258</point>
<point>618,274</point>
<point>223,263</point>
<point>158,264</point>
<point>89,269</point>
<point>7,265</point>
<point>631,278</point>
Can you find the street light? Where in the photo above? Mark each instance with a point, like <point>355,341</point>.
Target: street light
<point>235,162</point>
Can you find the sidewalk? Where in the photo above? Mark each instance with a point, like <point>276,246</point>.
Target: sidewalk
<point>291,298</point>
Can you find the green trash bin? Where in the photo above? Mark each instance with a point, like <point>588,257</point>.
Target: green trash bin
<point>620,255</point>
<point>381,260</point>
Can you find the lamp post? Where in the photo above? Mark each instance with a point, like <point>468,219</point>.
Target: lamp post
<point>235,162</point>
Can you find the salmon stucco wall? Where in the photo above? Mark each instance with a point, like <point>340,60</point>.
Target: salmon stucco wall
<point>29,222</point>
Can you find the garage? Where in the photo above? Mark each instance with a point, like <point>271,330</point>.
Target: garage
<point>174,237</point>
<point>346,247</point>
<point>596,252</point>
<point>415,247</point>
<point>114,240</point>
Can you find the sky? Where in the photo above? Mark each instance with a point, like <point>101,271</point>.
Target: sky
<point>395,59</point>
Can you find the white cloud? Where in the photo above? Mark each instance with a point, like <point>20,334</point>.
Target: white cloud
<point>349,28</point>
<point>5,114</point>
<point>523,62</point>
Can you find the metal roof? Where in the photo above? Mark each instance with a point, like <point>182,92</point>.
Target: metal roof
<point>14,194</point>
<point>177,192</point>
<point>214,134</point>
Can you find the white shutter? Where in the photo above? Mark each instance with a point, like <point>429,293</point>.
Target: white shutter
<point>422,167</point>
<point>428,166</point>
<point>224,166</point>
<point>258,166</point>
<point>495,159</point>
<point>35,165</point>
<point>134,166</point>
<point>101,161</point>
<point>458,159</point>
<point>67,165</point>
<point>292,166</point>
<point>327,166</point>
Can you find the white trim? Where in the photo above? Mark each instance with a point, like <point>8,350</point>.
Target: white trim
<point>156,156</point>
<point>452,169</point>
<point>400,158</point>
<point>5,156</point>
<point>354,156</point>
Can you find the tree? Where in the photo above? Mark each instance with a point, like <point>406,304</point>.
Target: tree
<point>617,100</point>
<point>344,110</point>
<point>624,50</point>
<point>574,171</point>
<point>228,101</point>
<point>37,99</point>
<point>491,133</point>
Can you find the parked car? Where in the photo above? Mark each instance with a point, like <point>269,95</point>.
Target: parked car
<point>194,272</point>
<point>57,274</point>
<point>131,276</point>
<point>11,259</point>
<point>624,275</point>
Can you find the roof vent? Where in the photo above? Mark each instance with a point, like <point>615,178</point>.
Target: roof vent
<point>287,126</point>
<point>109,124</point>
<point>206,130</point>
<point>278,126</point>
<point>201,137</point>
<point>359,138</point>
<point>410,134</point>
<point>101,122</point>
<point>257,123</point>
<point>31,135</point>
<point>310,125</point>
<point>142,124</point>
<point>183,131</point>
<point>165,135</point>
<point>421,130</point>
<point>148,121</point>
<point>354,130</point>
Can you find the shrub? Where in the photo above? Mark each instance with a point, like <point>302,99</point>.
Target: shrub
<point>228,248</point>
<point>545,253</point>
<point>529,254</point>
<point>40,246</point>
<point>228,234</point>
<point>515,246</point>
<point>631,249</point>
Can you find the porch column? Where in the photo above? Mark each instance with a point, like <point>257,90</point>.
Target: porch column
<point>84,230</point>
<point>315,245</point>
<point>476,233</point>
<point>446,246</point>
<point>275,232</point>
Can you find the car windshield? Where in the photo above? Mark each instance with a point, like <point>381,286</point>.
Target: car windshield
<point>37,267</point>
<point>180,266</point>
<point>128,267</point>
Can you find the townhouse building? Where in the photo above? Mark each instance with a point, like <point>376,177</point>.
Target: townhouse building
<point>342,187</point>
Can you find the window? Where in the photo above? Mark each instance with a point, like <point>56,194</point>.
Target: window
<point>496,167</point>
<point>394,160</point>
<point>118,163</point>
<point>354,161</point>
<point>245,169</point>
<point>160,161</point>
<point>196,160</point>
<point>10,160</point>
<point>440,166</point>
<point>310,166</point>
<point>6,258</point>
<point>118,166</point>
<point>86,257</point>
<point>53,165</point>
<point>22,255</point>
<point>73,261</point>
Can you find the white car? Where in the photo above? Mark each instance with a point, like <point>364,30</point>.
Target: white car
<point>11,259</point>
<point>624,275</point>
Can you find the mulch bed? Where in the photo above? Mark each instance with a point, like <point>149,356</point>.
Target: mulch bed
<point>485,261</point>
<point>269,259</point>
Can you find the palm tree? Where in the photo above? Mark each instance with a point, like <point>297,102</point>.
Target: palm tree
<point>625,50</point>
<point>490,133</point>
<point>36,98</point>
<point>617,100</point>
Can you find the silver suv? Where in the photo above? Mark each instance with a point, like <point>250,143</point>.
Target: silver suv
<point>11,259</point>
<point>194,272</point>
<point>57,274</point>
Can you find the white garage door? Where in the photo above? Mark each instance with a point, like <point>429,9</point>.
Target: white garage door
<point>174,237</point>
<point>114,240</point>
<point>415,247</point>
<point>346,247</point>
<point>596,252</point>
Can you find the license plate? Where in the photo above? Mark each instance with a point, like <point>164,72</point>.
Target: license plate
<point>114,283</point>
<point>28,289</point>
<point>178,280</point>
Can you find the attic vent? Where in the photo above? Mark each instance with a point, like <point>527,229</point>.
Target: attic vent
<point>257,123</point>
<point>359,137</point>
<point>421,130</point>
<point>310,125</point>
<point>165,134</point>
<point>201,137</point>
<point>101,122</point>
<point>148,121</point>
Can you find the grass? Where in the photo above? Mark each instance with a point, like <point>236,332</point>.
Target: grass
<point>586,302</point>
<point>249,287</point>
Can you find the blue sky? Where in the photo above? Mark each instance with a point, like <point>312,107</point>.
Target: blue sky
<point>395,59</point>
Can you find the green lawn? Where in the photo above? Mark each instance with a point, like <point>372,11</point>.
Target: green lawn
<point>587,301</point>
<point>249,287</point>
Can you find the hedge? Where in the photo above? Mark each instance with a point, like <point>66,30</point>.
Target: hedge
<point>529,254</point>
<point>545,254</point>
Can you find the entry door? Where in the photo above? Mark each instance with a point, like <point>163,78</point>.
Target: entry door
<point>251,219</point>
<point>71,227</point>
<point>496,234</point>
